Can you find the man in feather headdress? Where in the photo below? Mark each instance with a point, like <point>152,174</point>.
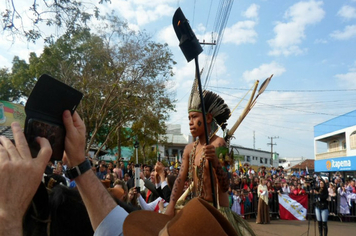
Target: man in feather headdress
<point>196,156</point>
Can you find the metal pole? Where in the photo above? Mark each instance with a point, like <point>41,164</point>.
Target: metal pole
<point>205,129</point>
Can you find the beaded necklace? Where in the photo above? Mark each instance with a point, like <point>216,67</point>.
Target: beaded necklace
<point>200,167</point>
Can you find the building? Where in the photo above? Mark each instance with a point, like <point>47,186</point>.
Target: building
<point>289,162</point>
<point>335,145</point>
<point>302,167</point>
<point>255,157</point>
<point>171,149</point>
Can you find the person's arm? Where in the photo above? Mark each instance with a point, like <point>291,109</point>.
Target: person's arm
<point>17,193</point>
<point>210,155</point>
<point>179,183</point>
<point>165,191</point>
<point>90,188</point>
<point>148,206</point>
<point>259,190</point>
<point>149,185</point>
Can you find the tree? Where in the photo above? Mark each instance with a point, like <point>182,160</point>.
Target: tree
<point>7,93</point>
<point>123,75</point>
<point>62,14</point>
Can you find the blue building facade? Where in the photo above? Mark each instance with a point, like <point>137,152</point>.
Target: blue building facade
<point>335,145</point>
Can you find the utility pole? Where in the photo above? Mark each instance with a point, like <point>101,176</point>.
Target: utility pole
<point>272,144</point>
<point>254,140</point>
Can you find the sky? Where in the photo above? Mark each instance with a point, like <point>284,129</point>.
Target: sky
<point>309,46</point>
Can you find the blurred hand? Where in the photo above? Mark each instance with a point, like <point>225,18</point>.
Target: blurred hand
<point>18,191</point>
<point>74,140</point>
<point>210,154</point>
<point>159,167</point>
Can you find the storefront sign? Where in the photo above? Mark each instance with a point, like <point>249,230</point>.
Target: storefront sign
<point>336,164</point>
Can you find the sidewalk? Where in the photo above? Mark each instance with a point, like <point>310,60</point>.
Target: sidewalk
<point>298,228</point>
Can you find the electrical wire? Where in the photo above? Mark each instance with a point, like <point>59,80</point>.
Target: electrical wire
<point>219,27</point>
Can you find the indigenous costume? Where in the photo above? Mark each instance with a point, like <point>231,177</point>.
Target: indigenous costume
<point>263,210</point>
<point>220,112</point>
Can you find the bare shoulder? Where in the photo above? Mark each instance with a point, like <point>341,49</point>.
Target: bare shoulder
<point>219,142</point>
<point>188,148</point>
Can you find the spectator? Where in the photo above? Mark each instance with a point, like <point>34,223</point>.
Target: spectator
<point>262,172</point>
<point>286,188</point>
<point>22,190</point>
<point>121,184</point>
<point>244,184</point>
<point>126,177</point>
<point>321,207</point>
<point>164,183</point>
<point>271,191</point>
<point>132,199</point>
<point>248,203</point>
<point>344,207</point>
<point>332,198</point>
<point>263,209</point>
<point>353,188</point>
<point>236,202</point>
<point>101,174</point>
<point>299,190</point>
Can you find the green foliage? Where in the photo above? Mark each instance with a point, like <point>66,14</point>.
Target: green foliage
<point>7,91</point>
<point>123,75</point>
<point>63,14</point>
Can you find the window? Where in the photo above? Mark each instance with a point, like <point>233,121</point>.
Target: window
<point>265,160</point>
<point>261,160</point>
<point>248,158</point>
<point>353,140</point>
<point>174,152</point>
<point>343,144</point>
<point>334,146</point>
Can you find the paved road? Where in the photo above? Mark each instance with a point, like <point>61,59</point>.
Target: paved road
<point>299,228</point>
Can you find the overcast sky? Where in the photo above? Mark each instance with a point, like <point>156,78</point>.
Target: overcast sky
<point>309,46</point>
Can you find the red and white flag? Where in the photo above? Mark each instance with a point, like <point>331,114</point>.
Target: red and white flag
<point>293,207</point>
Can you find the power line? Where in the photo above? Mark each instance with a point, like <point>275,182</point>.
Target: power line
<point>291,90</point>
<point>219,28</point>
<point>286,108</point>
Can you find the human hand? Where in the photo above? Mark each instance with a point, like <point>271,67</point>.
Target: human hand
<point>74,140</point>
<point>156,175</point>
<point>210,155</point>
<point>141,175</point>
<point>17,192</point>
<point>170,210</point>
<point>161,206</point>
<point>159,167</point>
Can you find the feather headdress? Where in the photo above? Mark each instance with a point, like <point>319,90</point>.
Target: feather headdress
<point>214,105</point>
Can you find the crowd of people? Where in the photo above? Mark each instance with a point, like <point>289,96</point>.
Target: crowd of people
<point>157,182</point>
<point>245,181</point>
<point>78,196</point>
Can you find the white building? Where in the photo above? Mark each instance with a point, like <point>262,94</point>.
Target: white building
<point>256,157</point>
<point>335,144</point>
<point>290,161</point>
<point>173,147</point>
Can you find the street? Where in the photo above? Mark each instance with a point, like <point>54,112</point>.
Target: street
<point>298,228</point>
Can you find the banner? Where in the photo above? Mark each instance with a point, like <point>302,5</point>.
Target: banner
<point>10,112</point>
<point>293,207</point>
